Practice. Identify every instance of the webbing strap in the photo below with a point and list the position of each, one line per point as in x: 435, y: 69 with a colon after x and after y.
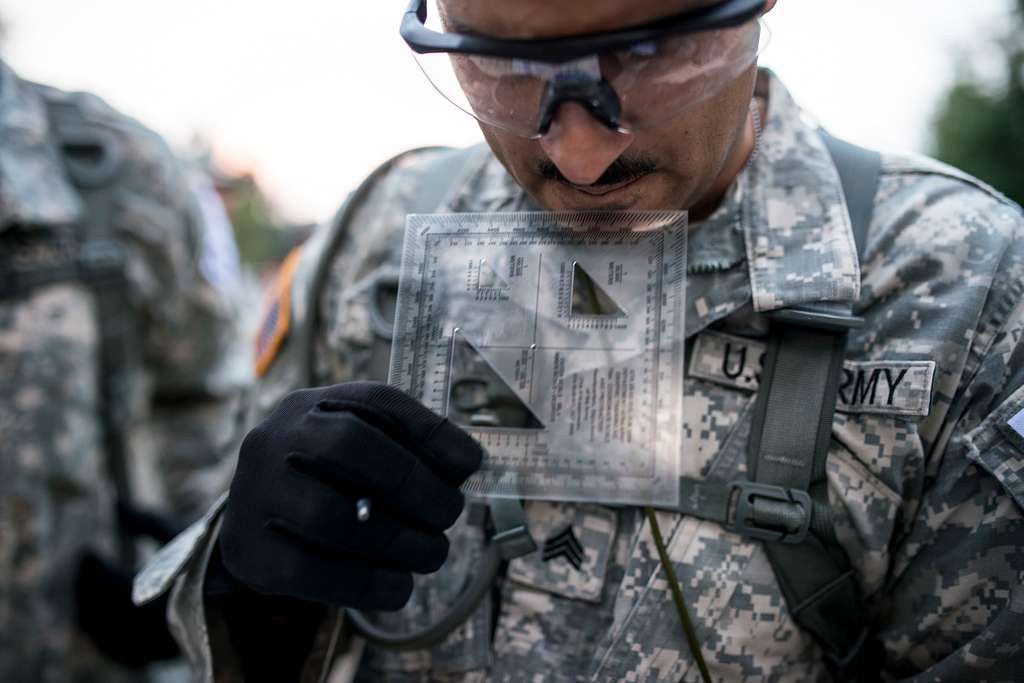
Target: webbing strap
x: 785, y: 502
x: 859, y: 171
x: 92, y: 163
x: 789, y: 444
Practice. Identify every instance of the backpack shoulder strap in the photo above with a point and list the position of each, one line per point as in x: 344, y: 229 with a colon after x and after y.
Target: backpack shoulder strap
x: 859, y: 172
x: 789, y: 445
x: 784, y: 503
x: 92, y: 161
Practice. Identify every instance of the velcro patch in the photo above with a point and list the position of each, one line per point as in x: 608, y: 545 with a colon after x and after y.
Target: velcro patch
x: 277, y: 314
x: 887, y: 387
x: 724, y: 359
x: 578, y: 540
x: 879, y: 387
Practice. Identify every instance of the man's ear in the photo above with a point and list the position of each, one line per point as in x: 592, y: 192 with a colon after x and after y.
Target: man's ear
x: 769, y: 6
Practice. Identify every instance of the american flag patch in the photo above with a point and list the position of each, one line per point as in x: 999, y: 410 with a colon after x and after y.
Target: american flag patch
x: 273, y: 329
x: 1017, y: 423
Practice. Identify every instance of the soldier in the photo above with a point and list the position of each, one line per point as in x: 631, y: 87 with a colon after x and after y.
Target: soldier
x: 122, y: 383
x: 863, y: 524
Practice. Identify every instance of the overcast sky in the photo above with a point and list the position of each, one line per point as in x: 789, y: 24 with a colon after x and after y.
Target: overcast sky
x: 311, y: 94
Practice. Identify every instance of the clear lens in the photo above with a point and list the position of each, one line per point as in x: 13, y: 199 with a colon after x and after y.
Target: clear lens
x: 663, y: 79
x: 655, y: 80
x: 487, y: 88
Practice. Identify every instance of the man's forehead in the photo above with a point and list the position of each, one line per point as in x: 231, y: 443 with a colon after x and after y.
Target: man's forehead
x: 526, y: 19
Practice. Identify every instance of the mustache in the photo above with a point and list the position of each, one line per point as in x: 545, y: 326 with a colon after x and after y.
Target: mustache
x: 622, y: 170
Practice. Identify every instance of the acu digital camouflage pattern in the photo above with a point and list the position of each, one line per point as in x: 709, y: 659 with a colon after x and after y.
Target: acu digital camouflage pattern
x: 928, y: 508
x: 55, y: 497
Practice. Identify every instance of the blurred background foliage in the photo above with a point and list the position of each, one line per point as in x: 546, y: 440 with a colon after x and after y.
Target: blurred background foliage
x: 264, y: 236
x: 979, y: 124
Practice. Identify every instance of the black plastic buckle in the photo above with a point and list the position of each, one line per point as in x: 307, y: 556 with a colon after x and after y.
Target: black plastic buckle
x: 817, y: 319
x: 745, y: 523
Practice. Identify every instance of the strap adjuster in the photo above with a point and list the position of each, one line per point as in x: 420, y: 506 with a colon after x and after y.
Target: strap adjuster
x: 771, y: 513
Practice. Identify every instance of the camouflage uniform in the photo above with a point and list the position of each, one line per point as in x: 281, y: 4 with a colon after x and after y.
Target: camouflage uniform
x: 55, y: 495
x: 924, y: 467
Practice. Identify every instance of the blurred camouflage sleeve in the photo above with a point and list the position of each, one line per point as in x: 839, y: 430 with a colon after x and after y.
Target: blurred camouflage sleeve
x: 184, y: 276
x: 954, y: 604
x: 201, y: 367
x: 180, y: 566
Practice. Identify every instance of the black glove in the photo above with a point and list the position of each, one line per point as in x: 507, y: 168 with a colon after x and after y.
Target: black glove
x: 291, y: 528
x: 133, y: 636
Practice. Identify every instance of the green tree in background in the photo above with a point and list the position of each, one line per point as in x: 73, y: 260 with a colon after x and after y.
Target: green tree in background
x: 257, y: 230
x: 980, y: 124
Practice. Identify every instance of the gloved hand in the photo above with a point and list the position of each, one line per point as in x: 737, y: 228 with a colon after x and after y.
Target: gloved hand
x: 291, y: 527
x: 133, y: 636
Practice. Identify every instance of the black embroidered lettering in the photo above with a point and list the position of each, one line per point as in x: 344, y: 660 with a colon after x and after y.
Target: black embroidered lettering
x: 760, y: 366
x: 862, y: 387
x: 892, y: 384
x: 845, y: 385
x: 740, y: 366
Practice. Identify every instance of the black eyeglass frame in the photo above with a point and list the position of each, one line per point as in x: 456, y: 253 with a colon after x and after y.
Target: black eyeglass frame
x: 422, y: 40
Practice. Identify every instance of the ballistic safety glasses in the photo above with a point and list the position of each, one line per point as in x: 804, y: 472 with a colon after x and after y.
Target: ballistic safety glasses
x: 629, y: 79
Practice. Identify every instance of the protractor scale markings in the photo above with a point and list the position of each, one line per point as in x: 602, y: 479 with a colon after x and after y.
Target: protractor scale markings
x: 555, y: 340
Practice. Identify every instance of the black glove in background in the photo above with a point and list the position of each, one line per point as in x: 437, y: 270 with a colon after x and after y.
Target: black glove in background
x: 132, y: 636
x: 290, y: 525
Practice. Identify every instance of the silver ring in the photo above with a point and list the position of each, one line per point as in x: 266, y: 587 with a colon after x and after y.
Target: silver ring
x: 363, y: 509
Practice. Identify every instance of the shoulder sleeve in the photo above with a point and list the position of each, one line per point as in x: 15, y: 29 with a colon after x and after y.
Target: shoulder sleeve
x: 290, y: 349
x: 954, y: 603
x: 350, y: 340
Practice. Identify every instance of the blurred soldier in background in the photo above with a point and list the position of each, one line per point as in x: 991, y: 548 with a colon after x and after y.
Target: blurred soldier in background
x: 121, y: 377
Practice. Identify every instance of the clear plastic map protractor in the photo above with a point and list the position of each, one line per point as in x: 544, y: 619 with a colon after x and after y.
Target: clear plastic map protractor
x: 555, y: 340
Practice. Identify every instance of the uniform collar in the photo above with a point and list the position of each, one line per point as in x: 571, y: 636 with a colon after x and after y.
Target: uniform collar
x: 799, y: 240
x: 34, y: 189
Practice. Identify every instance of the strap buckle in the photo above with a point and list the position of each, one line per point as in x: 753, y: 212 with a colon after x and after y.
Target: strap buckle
x: 831, y: 321
x: 771, y: 513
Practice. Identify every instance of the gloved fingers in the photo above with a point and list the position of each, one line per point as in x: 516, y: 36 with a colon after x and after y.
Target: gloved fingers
x: 447, y: 449
x: 328, y: 518
x: 283, y: 567
x: 383, y: 542
x: 375, y: 464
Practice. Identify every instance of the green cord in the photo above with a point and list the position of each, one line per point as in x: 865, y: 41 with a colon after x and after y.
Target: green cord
x: 677, y: 595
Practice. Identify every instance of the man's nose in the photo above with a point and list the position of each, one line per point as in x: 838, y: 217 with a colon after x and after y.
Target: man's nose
x: 581, y: 146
